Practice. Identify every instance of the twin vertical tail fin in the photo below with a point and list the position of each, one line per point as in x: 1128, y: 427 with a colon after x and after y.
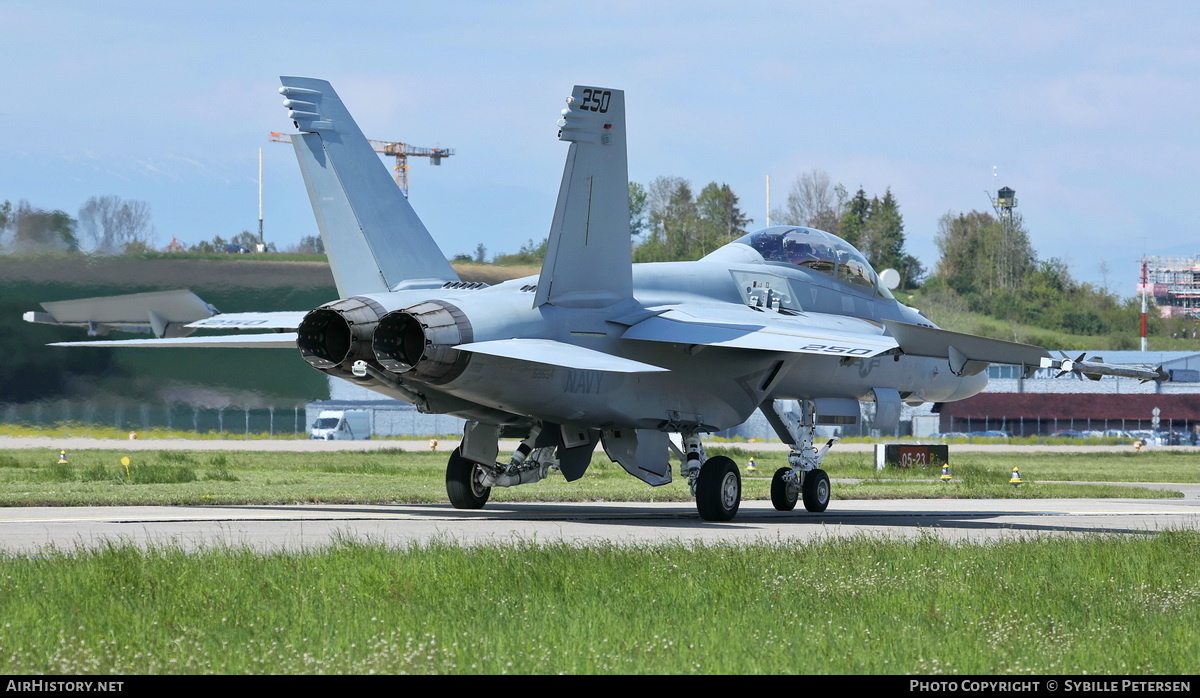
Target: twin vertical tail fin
x: 374, y: 239
x: 589, y: 260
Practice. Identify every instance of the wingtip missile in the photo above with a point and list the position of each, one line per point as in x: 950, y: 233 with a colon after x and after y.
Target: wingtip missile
x: 1095, y: 369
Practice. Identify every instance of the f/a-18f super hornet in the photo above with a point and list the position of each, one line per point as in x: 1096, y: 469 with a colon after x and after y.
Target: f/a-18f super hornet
x: 596, y: 350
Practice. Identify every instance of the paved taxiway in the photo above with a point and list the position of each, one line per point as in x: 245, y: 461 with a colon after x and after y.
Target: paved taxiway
x: 297, y: 527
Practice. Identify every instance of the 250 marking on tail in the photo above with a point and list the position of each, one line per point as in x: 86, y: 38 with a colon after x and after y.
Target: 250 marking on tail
x: 596, y: 100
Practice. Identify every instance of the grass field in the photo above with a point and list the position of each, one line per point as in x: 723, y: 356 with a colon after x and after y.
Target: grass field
x: 1034, y: 606
x: 35, y: 478
x: 1038, y: 605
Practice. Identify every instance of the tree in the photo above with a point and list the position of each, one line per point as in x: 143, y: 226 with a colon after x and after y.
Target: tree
x: 5, y: 215
x: 531, y: 253
x: 480, y: 254
x: 309, y: 244
x: 720, y: 219
x: 883, y: 237
x: 814, y: 201
x: 637, y: 209
x: 673, y: 221
x: 216, y: 245
x: 854, y: 219
x: 111, y: 224
x: 38, y: 230
x: 981, y: 256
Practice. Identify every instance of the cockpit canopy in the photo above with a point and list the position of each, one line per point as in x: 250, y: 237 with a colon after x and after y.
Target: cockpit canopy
x: 816, y: 250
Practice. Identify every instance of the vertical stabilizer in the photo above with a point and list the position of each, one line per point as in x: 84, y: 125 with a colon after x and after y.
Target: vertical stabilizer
x: 374, y: 239
x: 589, y: 262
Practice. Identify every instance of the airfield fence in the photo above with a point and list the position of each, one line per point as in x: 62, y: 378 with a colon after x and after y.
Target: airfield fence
x: 233, y: 421
x: 1174, y: 431
x: 227, y: 422
x: 293, y: 422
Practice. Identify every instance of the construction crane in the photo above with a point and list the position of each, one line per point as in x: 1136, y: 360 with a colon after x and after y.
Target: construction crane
x: 401, y: 151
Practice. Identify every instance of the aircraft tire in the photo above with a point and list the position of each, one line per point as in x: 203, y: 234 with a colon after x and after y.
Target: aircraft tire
x: 719, y: 489
x: 462, y: 487
x: 783, y: 497
x: 816, y: 491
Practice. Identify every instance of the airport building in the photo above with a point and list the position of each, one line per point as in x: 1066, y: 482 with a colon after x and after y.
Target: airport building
x: 1045, y: 402
x: 1174, y: 284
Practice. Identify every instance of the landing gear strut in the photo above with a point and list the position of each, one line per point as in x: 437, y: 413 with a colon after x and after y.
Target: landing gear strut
x: 804, y: 479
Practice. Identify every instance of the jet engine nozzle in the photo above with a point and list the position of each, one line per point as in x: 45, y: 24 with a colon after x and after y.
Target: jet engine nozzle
x: 337, y: 334
x: 418, y: 341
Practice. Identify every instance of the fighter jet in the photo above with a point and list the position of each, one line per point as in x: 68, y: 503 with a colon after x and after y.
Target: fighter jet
x: 598, y: 351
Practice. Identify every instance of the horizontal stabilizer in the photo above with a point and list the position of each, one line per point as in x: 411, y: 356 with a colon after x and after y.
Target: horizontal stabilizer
x: 285, y: 340
x: 161, y: 313
x: 746, y: 328
x: 552, y: 353
x: 286, y: 320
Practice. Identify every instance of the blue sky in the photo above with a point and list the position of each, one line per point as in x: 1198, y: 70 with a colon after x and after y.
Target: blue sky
x: 1087, y: 109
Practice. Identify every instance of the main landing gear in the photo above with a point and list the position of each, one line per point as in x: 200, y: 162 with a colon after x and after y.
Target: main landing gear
x: 803, y: 479
x: 787, y: 487
x: 717, y: 484
x: 469, y: 484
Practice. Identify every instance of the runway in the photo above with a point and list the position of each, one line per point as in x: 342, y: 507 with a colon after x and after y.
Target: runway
x: 298, y: 527
x: 301, y: 527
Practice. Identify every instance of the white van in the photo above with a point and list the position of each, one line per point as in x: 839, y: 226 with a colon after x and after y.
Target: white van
x: 339, y: 425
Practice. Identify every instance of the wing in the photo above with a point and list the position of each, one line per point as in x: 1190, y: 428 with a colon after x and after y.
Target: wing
x: 766, y: 330
x: 161, y: 313
x: 171, y: 316
x: 969, y: 354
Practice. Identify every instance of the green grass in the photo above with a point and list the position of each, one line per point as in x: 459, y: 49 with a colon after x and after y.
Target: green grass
x: 1121, y: 466
x: 1107, y: 605
x: 35, y: 478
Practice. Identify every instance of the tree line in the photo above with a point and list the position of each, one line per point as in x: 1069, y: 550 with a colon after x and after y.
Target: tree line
x: 112, y: 225
x: 668, y: 223
x: 986, y: 264
x: 105, y: 224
